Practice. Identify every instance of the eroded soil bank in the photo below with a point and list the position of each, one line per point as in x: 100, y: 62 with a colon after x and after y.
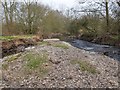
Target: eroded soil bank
x: 16, y: 45
x: 59, y: 64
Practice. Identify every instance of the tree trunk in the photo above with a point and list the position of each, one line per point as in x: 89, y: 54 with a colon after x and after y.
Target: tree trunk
x: 107, y: 16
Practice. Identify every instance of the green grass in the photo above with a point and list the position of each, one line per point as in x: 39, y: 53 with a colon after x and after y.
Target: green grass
x: 61, y: 46
x: 13, y: 57
x: 8, y: 38
x: 85, y: 66
x: 9, y: 60
x: 43, y: 43
x: 5, y: 66
x: 115, y: 37
x: 36, y: 64
x: 35, y: 60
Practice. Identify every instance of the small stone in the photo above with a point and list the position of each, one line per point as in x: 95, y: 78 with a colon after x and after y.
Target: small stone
x: 113, y: 82
x: 46, y: 64
x: 63, y: 78
x: 69, y: 77
x: 55, y: 61
x: 22, y: 85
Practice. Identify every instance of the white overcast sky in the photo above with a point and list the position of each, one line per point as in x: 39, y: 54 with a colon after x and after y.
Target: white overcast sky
x: 59, y: 4
x: 62, y: 4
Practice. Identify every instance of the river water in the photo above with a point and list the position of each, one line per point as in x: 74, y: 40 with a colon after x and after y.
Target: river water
x: 107, y: 50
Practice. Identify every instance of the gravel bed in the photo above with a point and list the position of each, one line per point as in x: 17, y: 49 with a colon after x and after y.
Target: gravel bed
x: 62, y: 73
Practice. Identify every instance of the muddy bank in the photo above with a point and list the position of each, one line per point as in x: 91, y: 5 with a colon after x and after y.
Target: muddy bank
x: 67, y: 68
x: 17, y: 45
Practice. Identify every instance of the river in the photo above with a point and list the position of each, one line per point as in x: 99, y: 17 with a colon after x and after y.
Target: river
x: 107, y: 50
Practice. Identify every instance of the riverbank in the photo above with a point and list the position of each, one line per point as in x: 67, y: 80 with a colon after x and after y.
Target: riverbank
x: 107, y: 50
x: 59, y: 64
x: 112, y: 40
x: 103, y: 40
x: 15, y: 44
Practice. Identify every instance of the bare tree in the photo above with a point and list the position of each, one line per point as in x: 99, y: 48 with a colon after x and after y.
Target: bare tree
x: 101, y: 8
x: 107, y: 14
x: 9, y: 9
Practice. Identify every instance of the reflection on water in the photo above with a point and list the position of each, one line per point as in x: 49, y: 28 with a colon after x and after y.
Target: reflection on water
x: 106, y: 49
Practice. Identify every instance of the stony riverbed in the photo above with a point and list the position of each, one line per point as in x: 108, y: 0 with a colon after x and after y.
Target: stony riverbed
x: 67, y: 66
